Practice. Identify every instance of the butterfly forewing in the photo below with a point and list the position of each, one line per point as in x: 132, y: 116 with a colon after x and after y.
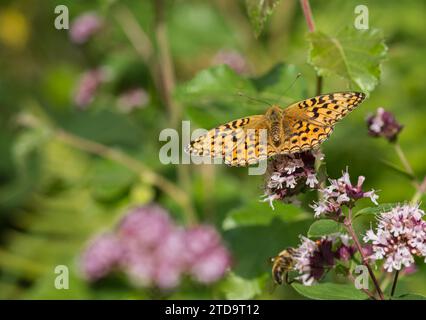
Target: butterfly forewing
x: 236, y: 142
x: 310, y: 122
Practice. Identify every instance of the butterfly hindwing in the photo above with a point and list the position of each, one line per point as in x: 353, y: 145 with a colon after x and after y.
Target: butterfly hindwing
x: 303, y: 135
x: 325, y: 109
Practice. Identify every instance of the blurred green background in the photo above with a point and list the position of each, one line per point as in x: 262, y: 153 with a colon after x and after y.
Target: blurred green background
x: 54, y: 197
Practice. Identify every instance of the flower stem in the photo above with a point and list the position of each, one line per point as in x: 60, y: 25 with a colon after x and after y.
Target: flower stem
x: 308, y: 15
x: 403, y: 159
x: 421, y: 190
x: 138, y: 38
x: 145, y: 173
x: 349, y: 227
x: 395, y: 280
x: 133, y: 164
x: 420, y: 186
x: 319, y: 164
x: 368, y: 293
x: 165, y: 63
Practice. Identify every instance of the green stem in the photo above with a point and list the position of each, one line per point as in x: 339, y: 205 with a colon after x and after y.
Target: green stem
x: 165, y: 63
x: 366, y: 291
x: 319, y: 164
x: 421, y: 190
x: 403, y: 159
x: 308, y: 14
x: 349, y: 227
x: 145, y: 173
x: 420, y: 186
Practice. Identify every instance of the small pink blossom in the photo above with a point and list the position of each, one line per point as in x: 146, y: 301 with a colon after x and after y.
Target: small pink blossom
x: 289, y: 175
x: 232, y: 59
x: 132, y: 99
x: 383, y: 124
x: 341, y: 193
x: 211, y: 266
x: 399, y: 237
x: 84, y: 27
x: 87, y: 87
x: 145, y: 227
x: 101, y: 256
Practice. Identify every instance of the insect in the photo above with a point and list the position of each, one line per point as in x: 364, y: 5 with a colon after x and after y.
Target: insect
x: 282, y: 265
x: 301, y: 126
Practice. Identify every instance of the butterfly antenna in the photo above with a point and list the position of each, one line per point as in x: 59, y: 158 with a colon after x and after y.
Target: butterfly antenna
x: 254, y: 99
x: 291, y: 85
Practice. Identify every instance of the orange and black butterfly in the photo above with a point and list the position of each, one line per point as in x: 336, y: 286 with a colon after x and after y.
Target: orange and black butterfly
x: 300, y: 127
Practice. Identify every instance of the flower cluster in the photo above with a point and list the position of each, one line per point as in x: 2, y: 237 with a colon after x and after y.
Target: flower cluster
x: 153, y: 251
x: 314, y: 258
x: 88, y: 85
x: 383, y: 124
x: 84, y: 27
x: 132, y: 99
x: 400, y: 235
x: 289, y: 175
x: 341, y: 193
x: 232, y: 59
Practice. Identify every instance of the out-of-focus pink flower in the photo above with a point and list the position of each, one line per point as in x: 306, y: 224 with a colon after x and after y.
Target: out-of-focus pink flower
x: 145, y: 227
x: 153, y: 251
x: 84, y: 27
x: 211, y: 266
x: 206, y: 257
x: 132, y: 99
x: 233, y: 59
x: 172, y: 249
x: 200, y: 240
x: 87, y: 87
x: 166, y: 275
x: 101, y: 256
x: 139, y: 266
x: 410, y: 269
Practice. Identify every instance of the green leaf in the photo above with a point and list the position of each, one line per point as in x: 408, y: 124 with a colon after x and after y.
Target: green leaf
x: 324, y: 227
x: 237, y: 288
x: 410, y: 296
x: 353, y: 54
x: 375, y: 210
x: 258, y: 12
x: 260, y: 213
x: 252, y: 246
x: 216, y: 95
x: 212, y: 97
x: 110, y: 181
x: 330, y: 291
x: 282, y: 81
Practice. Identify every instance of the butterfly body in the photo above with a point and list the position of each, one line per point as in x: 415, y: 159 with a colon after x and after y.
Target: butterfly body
x: 300, y: 127
x: 274, y: 116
